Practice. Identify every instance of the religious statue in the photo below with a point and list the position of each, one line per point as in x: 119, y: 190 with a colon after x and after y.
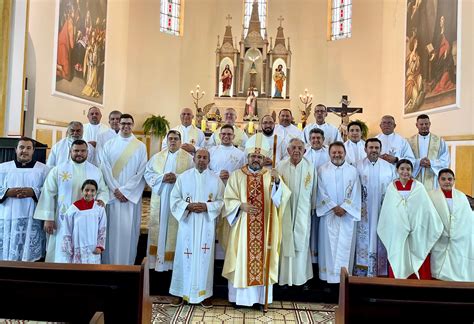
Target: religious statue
x: 279, y: 78
x: 344, y: 113
x: 226, y: 78
x: 253, y: 72
x: 251, y: 105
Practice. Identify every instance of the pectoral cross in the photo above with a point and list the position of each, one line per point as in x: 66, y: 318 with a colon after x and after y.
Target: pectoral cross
x: 187, y: 253
x: 205, y: 248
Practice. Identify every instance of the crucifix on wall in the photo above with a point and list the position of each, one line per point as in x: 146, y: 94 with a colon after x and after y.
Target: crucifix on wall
x: 344, y: 112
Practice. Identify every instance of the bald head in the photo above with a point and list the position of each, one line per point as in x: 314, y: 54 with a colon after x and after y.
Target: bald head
x: 201, y: 159
x: 186, y: 116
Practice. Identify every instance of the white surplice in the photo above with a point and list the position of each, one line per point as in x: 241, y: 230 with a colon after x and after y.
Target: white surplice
x: 289, y: 132
x: 84, y: 231
x: 452, y: 256
x: 124, y: 218
x: 439, y: 159
x: 337, y: 186
x: 295, y: 255
x: 193, y: 270
x: 91, y: 132
x: 60, y: 153
x: 61, y: 188
x: 331, y: 133
x: 189, y: 135
x: 354, y: 151
x: 21, y: 237
x: 281, y: 148
x: 396, y: 145
x: 371, y: 255
x: 160, y: 205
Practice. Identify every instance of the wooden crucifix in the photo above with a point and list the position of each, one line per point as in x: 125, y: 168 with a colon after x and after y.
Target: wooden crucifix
x: 344, y: 112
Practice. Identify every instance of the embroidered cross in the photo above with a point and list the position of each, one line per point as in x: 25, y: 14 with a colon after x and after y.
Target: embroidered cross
x: 205, y: 248
x: 187, y: 253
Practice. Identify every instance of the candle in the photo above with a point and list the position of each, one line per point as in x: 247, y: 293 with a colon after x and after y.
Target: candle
x: 214, y: 127
x: 203, y: 125
x: 300, y: 126
x: 194, y: 122
x: 250, y: 127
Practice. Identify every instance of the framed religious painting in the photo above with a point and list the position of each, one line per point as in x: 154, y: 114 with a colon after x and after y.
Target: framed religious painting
x: 79, y: 52
x: 432, y: 56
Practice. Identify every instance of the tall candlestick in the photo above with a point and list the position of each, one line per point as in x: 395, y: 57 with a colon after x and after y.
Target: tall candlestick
x: 250, y: 127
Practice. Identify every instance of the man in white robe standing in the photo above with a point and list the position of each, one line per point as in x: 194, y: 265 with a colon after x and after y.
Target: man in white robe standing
x: 300, y: 176
x: 318, y: 155
x: 123, y: 162
x: 192, y: 138
x: 338, y: 205
x: 21, y: 181
x: 196, y: 203
x: 267, y: 125
x: 285, y: 129
x: 375, y: 176
x: 60, y: 151
x: 230, y: 116
x: 94, y: 127
x: 225, y: 158
x: 102, y: 138
x: 160, y: 174
x: 63, y: 187
x: 331, y: 133
x: 247, y: 209
x: 431, y: 153
x: 355, y: 145
x: 394, y: 146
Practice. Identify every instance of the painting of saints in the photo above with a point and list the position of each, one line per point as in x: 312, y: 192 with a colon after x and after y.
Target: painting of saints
x: 279, y: 78
x: 65, y: 45
x: 226, y: 78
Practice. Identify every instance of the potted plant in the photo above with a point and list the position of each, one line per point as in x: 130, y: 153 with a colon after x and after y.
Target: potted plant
x: 157, y: 127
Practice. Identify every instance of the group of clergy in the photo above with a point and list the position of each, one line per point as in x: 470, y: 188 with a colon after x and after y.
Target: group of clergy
x: 275, y: 202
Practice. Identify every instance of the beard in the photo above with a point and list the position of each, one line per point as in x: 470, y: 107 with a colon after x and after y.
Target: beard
x: 267, y: 131
x: 255, y: 167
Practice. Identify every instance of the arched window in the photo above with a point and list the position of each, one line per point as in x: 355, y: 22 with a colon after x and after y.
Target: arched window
x: 262, y: 13
x: 171, y: 17
x: 341, y: 19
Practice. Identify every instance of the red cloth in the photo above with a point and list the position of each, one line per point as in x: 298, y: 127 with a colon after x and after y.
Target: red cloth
x: 65, y: 45
x: 424, y: 272
x: 82, y: 204
x: 400, y: 186
x: 448, y: 193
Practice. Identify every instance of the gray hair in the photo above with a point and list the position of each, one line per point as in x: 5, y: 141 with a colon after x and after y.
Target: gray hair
x: 74, y: 123
x: 296, y: 139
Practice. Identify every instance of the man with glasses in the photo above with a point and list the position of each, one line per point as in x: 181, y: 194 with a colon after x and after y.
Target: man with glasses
x: 123, y: 162
x: 240, y: 138
x: 331, y: 133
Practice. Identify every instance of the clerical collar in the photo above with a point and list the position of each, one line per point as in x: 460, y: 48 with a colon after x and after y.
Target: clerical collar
x: 401, y: 187
x: 373, y: 162
x: 186, y: 127
x: 424, y: 136
x: 319, y: 149
x: 27, y: 165
x: 339, y: 166
x: 448, y: 193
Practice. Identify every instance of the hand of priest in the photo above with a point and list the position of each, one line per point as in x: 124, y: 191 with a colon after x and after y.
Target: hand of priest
x: 267, y: 162
x: 339, y: 211
x: 100, y: 203
x: 188, y: 148
x: 275, y: 176
x: 93, y: 143
x: 49, y: 227
x: 97, y: 250
x: 169, y: 178
x: 425, y: 163
x: 389, y: 158
x: 120, y: 196
x: 249, y: 208
x: 25, y: 193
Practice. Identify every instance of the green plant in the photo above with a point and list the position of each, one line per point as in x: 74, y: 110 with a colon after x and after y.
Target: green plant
x: 156, y: 125
x: 365, y: 129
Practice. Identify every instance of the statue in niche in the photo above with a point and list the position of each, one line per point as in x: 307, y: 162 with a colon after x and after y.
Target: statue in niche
x: 226, y: 78
x: 279, y: 78
x: 253, y: 73
x: 250, y: 112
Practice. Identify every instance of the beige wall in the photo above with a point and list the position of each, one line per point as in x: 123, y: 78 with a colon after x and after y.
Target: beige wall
x: 151, y: 72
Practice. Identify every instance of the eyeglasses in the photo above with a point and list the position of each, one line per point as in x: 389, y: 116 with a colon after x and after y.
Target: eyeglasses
x: 126, y: 124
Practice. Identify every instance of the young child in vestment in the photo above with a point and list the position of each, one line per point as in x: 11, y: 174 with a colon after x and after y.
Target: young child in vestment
x: 84, y: 228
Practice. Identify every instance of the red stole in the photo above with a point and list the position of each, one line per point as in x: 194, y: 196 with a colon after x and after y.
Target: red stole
x: 82, y: 204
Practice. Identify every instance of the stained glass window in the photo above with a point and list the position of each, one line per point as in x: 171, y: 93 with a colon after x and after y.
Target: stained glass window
x: 262, y: 13
x: 341, y: 19
x: 170, y: 17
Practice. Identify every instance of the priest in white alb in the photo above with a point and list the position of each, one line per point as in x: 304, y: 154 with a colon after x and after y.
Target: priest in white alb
x: 192, y: 138
x: 285, y: 129
x: 431, y: 153
x: 394, y: 146
x: 230, y: 116
x: 160, y: 174
x: 247, y: 208
x: 331, y: 133
x: 267, y: 124
x: 338, y: 205
x: 21, y: 181
x: 295, y: 255
x: 375, y: 175
x: 94, y: 128
x: 196, y: 202
x: 123, y: 162
x: 452, y: 256
x: 355, y: 145
x: 104, y: 137
x: 63, y: 187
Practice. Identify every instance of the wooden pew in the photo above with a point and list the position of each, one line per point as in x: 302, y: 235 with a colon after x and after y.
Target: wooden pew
x: 384, y: 300
x: 74, y: 292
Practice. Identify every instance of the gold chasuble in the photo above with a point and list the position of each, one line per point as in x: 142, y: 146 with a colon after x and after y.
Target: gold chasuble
x: 434, y: 146
x: 244, y: 263
x: 183, y: 163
